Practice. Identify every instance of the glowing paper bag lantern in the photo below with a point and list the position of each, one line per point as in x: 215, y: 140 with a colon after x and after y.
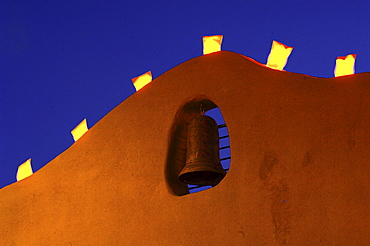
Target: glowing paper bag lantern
x: 278, y: 56
x: 24, y: 170
x: 345, y: 65
x: 142, y: 80
x: 212, y: 44
x: 79, y: 130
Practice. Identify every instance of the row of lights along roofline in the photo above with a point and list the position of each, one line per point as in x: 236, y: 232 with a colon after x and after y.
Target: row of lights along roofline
x: 277, y: 59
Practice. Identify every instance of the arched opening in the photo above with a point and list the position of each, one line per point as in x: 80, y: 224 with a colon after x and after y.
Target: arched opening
x: 178, y: 152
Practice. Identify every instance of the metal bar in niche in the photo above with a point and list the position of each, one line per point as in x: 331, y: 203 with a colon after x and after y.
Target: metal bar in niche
x: 221, y: 126
x: 226, y: 147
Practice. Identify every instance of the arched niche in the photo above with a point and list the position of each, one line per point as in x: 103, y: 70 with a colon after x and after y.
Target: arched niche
x: 176, y: 157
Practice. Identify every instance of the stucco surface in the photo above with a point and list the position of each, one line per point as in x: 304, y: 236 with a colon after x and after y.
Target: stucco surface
x: 299, y: 172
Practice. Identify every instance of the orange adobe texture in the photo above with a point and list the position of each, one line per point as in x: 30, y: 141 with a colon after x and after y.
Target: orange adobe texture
x: 299, y: 172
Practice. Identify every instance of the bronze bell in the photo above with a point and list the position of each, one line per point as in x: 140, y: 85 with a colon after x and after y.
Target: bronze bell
x: 203, y: 165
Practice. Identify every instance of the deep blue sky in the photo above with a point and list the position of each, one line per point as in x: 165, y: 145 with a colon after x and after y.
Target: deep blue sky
x: 62, y: 61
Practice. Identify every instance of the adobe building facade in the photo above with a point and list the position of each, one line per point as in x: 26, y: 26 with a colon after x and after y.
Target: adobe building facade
x: 299, y: 172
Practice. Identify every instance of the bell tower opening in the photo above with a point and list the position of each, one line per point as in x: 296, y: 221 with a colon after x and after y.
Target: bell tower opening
x: 199, y: 150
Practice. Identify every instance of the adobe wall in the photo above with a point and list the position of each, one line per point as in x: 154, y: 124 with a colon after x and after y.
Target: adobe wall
x: 299, y: 173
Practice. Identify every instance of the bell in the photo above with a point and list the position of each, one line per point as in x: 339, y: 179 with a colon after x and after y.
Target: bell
x: 203, y: 165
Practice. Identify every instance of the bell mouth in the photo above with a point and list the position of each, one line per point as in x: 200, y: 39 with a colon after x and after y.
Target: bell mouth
x: 202, y: 177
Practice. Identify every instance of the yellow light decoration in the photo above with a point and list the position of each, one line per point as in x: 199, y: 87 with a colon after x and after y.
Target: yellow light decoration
x: 79, y: 130
x: 278, y: 56
x: 24, y: 170
x: 142, y: 80
x: 345, y: 65
x: 212, y: 44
